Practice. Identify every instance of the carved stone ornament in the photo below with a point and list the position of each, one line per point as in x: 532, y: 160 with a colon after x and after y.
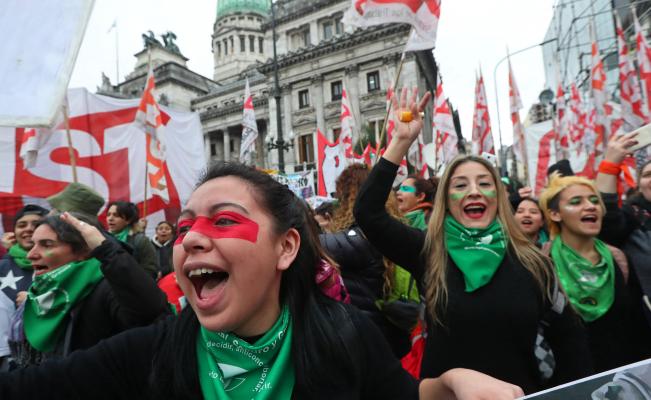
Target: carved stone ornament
x: 304, y: 116
x: 332, y: 109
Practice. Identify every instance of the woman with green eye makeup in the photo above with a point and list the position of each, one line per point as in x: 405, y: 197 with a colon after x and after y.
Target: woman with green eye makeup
x: 415, y: 196
x: 594, y: 276
x: 486, y: 285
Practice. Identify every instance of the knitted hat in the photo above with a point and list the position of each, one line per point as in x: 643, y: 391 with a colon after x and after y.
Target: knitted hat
x: 30, y: 209
x: 77, y: 197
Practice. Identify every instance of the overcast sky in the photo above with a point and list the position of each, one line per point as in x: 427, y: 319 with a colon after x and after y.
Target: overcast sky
x: 472, y: 33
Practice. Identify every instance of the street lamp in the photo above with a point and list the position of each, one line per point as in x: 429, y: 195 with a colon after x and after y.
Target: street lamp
x: 280, y: 142
x: 503, y: 171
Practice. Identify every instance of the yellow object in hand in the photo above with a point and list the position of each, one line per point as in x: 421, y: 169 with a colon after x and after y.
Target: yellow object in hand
x: 406, y: 116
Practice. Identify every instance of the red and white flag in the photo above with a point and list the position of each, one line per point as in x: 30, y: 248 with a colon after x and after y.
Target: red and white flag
x: 422, y: 15
x: 597, y: 123
x: 445, y: 133
x: 110, y: 152
x: 540, y: 152
x: 347, y: 124
x: 633, y: 113
x: 515, y: 104
x: 482, y: 137
x: 249, y: 127
x: 644, y: 62
x: 149, y: 118
x: 331, y: 162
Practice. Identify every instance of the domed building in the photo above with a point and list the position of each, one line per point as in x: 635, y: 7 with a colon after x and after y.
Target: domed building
x: 238, y: 38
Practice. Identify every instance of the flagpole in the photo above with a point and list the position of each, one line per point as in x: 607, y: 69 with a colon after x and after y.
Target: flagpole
x: 71, y: 150
x: 386, y: 116
x: 144, y: 203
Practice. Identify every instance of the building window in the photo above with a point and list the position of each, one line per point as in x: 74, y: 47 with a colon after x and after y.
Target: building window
x: 327, y: 30
x: 213, y: 149
x: 305, y: 149
x: 260, y: 45
x: 242, y: 43
x: 339, y: 27
x: 225, y: 47
x: 335, y: 133
x: 303, y: 98
x: 373, y: 81
x: 336, y: 89
x: 232, y: 44
x: 219, y: 49
x: 252, y: 44
x: 300, y: 38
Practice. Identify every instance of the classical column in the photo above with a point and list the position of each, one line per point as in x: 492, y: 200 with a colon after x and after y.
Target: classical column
x: 314, y: 33
x: 353, y: 91
x: 286, y: 91
x: 227, y: 145
x: 237, y: 142
x: 316, y: 99
x: 206, y: 146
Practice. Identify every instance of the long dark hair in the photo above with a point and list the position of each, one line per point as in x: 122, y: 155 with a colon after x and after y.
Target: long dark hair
x: 320, y: 336
x: 67, y: 233
x: 126, y: 210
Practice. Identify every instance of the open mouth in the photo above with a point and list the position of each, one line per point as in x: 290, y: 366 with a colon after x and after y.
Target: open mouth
x: 474, y: 210
x: 40, y: 269
x: 589, y: 219
x: 526, y: 222
x: 207, y: 282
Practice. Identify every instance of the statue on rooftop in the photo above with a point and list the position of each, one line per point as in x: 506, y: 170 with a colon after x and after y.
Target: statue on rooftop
x: 168, y: 38
x: 150, y: 39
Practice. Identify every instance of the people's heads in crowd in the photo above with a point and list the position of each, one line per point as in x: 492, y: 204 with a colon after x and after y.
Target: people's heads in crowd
x: 164, y: 231
x: 323, y: 214
x: 644, y: 180
x: 121, y: 215
x: 529, y: 217
x: 25, y: 222
x: 562, y: 167
x: 415, y: 190
x: 57, y: 243
x: 244, y: 248
x: 572, y: 204
x: 77, y: 197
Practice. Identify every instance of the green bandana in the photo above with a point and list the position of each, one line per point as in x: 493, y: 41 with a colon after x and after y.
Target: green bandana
x: 416, y: 219
x: 122, y: 235
x: 50, y: 298
x: 20, y: 257
x: 476, y: 252
x: 231, y: 368
x: 542, y: 237
x: 590, y: 288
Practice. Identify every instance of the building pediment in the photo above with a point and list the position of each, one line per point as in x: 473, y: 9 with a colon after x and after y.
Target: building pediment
x: 304, y: 116
x: 372, y: 101
x: 332, y: 109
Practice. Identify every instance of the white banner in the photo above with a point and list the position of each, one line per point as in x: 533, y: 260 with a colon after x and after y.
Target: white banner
x: 40, y: 42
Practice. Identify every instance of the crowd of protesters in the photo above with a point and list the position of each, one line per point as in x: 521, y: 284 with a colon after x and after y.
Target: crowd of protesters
x: 438, y: 288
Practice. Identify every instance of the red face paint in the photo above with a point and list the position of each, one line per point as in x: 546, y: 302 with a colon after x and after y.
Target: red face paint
x: 224, y: 224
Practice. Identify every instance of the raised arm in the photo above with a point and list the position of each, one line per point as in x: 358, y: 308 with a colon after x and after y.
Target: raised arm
x: 618, y: 224
x: 397, y: 241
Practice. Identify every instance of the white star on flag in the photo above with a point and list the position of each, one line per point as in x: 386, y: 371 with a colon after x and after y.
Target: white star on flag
x: 9, y: 281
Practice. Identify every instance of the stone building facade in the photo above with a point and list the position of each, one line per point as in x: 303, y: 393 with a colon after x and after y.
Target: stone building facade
x: 317, y: 58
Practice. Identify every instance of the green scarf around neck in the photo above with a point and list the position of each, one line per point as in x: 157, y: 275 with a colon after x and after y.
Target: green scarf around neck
x: 122, y: 235
x: 52, y: 296
x: 590, y: 288
x: 416, y: 219
x: 20, y: 256
x: 476, y: 252
x: 231, y: 368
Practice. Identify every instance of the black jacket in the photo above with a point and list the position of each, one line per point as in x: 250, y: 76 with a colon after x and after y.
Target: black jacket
x: 362, y: 269
x: 125, y: 298
x: 163, y: 256
x: 492, y: 329
x: 120, y: 367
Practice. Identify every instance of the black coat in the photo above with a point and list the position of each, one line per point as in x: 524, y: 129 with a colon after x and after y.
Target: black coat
x: 362, y: 269
x: 492, y: 329
x: 125, y: 298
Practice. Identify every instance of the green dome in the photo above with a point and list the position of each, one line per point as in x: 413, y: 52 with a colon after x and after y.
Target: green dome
x: 226, y: 7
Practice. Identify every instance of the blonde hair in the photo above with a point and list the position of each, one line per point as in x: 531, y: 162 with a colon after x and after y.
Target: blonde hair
x: 550, y: 197
x: 436, y: 255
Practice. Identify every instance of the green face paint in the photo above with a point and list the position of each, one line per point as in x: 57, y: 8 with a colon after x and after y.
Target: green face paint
x: 489, y: 193
x: 48, y: 253
x: 458, y: 195
x: 407, y: 189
